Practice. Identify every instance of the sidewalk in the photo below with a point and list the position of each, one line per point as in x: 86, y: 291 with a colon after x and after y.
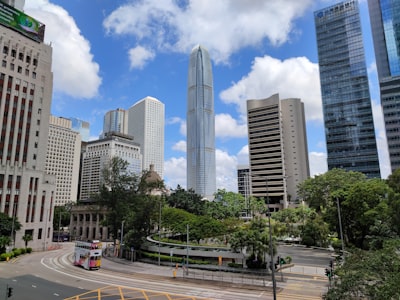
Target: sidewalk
x: 206, y: 274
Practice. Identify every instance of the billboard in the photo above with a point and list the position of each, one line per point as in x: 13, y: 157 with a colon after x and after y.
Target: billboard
x: 21, y: 22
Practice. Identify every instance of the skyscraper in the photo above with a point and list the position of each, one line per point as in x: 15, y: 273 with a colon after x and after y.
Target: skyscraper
x: 200, y: 141
x: 82, y: 127
x: 278, y: 153
x: 115, y: 121
x: 349, y: 124
x: 26, y: 83
x: 63, y: 157
x: 385, y: 24
x: 146, y: 125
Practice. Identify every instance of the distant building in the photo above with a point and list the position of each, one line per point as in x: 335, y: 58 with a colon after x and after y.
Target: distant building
x: 278, y: 153
x: 146, y: 125
x: 98, y: 154
x: 63, y: 155
x: 385, y: 23
x: 115, y: 121
x: 200, y: 144
x: 346, y: 102
x: 82, y: 127
x: 27, y: 192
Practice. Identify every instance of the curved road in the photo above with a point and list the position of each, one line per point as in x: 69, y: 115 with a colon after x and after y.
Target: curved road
x: 55, y: 274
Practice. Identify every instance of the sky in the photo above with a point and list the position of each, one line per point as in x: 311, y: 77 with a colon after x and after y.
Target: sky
x: 109, y: 54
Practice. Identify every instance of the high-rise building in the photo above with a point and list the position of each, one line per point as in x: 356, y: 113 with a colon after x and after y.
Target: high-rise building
x: 63, y: 158
x: 349, y: 124
x: 18, y: 4
x: 278, y: 152
x: 385, y: 24
x: 200, y: 137
x: 82, y: 127
x: 26, y: 82
x: 146, y: 125
x: 97, y: 154
x: 115, y: 121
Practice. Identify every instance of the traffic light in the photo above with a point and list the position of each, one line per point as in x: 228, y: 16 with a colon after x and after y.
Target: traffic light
x: 327, y: 272
x: 9, y: 292
x: 282, y: 261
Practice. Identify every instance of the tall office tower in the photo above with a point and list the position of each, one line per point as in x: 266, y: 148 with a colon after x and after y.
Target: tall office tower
x: 115, y: 121
x: 98, y: 154
x: 200, y: 137
x: 385, y: 23
x: 146, y: 125
x: 26, y: 82
x: 349, y: 124
x: 278, y: 151
x: 63, y: 158
x: 82, y: 127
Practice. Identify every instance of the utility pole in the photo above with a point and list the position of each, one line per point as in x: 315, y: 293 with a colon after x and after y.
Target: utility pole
x: 270, y: 244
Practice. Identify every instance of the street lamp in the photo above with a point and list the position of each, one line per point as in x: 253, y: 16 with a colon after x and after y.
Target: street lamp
x: 340, y: 226
x: 270, y: 243
x: 122, y: 236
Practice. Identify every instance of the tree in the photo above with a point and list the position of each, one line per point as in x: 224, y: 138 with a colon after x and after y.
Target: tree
x: 4, y: 242
x: 369, y: 275
x: 316, y: 191
x: 27, y: 238
x: 187, y: 200
x: 7, y: 224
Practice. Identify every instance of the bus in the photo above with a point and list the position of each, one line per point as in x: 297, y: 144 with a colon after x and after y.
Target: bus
x: 88, y: 254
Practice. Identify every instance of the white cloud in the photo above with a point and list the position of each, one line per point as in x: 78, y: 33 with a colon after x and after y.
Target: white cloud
x: 139, y: 56
x: 226, y: 171
x: 180, y: 146
x: 226, y: 126
x: 292, y: 78
x: 175, y: 172
x: 227, y: 27
x: 318, y: 163
x: 75, y: 72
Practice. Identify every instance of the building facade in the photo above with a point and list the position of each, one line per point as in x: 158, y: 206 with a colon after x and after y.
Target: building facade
x: 26, y: 82
x: 97, y: 154
x: 115, y: 121
x: 146, y: 125
x: 200, y: 143
x: 349, y: 124
x: 82, y: 127
x: 63, y: 158
x: 385, y: 21
x: 278, y: 152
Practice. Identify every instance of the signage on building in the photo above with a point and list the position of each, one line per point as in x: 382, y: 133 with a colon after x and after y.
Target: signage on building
x: 21, y: 22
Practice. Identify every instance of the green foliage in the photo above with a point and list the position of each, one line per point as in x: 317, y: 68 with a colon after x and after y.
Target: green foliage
x: 188, y: 201
x: 28, y: 250
x: 4, y: 242
x: 369, y: 275
x: 315, y: 231
x: 61, y: 216
x: 7, y: 223
x: 27, y: 238
x: 17, y: 252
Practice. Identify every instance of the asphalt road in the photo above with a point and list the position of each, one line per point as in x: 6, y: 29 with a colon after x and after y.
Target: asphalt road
x: 51, y: 275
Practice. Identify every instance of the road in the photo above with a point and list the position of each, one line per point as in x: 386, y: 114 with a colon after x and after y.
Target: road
x: 51, y: 275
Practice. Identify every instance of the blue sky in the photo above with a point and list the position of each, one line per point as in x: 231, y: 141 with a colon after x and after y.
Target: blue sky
x: 108, y: 54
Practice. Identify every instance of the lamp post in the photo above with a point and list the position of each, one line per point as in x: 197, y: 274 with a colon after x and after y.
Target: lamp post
x: 270, y: 244
x: 340, y: 226
x: 122, y: 236
x: 159, y: 236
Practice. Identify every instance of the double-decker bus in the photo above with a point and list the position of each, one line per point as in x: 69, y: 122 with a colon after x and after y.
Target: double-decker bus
x: 88, y: 254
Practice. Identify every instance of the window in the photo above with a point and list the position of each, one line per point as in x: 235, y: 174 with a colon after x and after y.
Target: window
x: 33, y: 74
x: 19, y: 69
x: 35, y: 62
x: 13, y: 53
x: 21, y: 56
x: 5, y: 50
x: 12, y: 67
x: 4, y: 63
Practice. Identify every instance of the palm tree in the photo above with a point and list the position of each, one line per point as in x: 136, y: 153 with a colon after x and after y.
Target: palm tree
x: 27, y: 238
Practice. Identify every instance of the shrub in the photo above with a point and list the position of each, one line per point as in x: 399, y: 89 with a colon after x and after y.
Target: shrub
x: 17, y: 252
x: 28, y: 250
x: 23, y: 250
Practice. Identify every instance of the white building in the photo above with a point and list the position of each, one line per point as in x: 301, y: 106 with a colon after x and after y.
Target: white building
x: 63, y: 159
x: 146, y: 125
x: 26, y: 82
x: 98, y: 154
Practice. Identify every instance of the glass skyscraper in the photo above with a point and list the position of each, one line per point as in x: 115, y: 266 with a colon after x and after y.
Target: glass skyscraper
x: 349, y: 125
x: 385, y: 25
x: 200, y: 141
